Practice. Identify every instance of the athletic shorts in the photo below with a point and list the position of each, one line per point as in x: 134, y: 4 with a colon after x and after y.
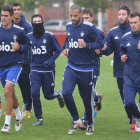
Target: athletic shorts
x: 10, y: 74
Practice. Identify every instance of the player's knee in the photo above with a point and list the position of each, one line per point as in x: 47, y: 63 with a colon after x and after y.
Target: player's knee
x: 7, y: 93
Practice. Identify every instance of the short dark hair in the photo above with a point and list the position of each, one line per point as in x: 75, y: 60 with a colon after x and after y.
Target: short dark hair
x: 8, y: 8
x: 135, y: 14
x: 76, y: 7
x: 36, y: 15
x: 88, y: 11
x: 16, y: 4
x: 124, y: 8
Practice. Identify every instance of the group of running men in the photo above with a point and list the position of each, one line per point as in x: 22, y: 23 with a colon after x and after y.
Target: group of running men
x: 83, y: 47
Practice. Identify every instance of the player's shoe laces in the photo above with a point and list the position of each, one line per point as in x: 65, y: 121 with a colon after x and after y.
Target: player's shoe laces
x: 90, y: 130
x: 13, y: 113
x: 60, y: 98
x: 18, y: 124
x: 137, y: 125
x: 38, y: 122
x: 98, y: 104
x: 74, y: 126
x: 27, y: 115
x: 5, y: 129
x: 84, y: 125
x: 23, y: 109
x: 132, y: 129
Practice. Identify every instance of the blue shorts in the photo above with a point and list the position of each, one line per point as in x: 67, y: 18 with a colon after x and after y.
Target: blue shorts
x: 10, y: 74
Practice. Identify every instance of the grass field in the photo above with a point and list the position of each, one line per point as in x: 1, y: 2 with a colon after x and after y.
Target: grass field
x: 110, y: 123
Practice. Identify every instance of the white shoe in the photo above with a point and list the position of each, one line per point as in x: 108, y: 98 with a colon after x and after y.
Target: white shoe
x: 5, y: 129
x: 18, y: 124
x: 90, y: 130
x: 137, y: 125
x: 74, y: 126
x: 23, y: 109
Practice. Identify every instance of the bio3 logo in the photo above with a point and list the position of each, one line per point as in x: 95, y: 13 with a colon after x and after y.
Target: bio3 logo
x: 73, y: 44
x: 41, y: 50
x: 6, y: 47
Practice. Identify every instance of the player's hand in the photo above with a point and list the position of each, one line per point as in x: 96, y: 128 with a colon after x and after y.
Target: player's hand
x: 124, y: 58
x: 105, y: 46
x: 15, y: 46
x: 139, y: 45
x: 66, y: 52
x: 97, y: 51
x: 81, y: 43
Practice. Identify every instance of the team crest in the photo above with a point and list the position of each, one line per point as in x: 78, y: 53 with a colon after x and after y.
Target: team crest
x: 82, y: 34
x: 44, y: 41
x: 14, y: 37
x: 68, y: 33
x: 30, y: 42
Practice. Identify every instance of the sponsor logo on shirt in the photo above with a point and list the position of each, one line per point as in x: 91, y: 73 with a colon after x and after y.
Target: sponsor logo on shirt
x: 6, y: 47
x: 116, y: 37
x: 128, y: 44
x: 14, y: 37
x: 41, y: 50
x: 73, y: 44
x: 44, y: 41
x: 82, y: 34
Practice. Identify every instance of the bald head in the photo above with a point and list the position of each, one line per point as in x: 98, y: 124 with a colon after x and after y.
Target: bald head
x: 76, y: 7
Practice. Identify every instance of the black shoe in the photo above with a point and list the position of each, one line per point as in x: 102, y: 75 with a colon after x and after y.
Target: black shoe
x: 60, y: 98
x: 84, y: 125
x: 98, y: 104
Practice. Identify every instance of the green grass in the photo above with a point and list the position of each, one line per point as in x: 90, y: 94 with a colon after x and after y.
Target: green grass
x: 110, y: 123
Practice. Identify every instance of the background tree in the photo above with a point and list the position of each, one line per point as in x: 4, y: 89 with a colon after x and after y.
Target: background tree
x: 94, y: 4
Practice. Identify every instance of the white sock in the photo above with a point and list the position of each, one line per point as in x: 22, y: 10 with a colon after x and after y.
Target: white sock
x: 77, y: 121
x: 8, y: 119
x: 18, y: 113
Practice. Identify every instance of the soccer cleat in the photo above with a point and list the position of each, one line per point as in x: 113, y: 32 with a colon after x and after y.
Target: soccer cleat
x: 38, y: 122
x: 95, y: 112
x: 132, y: 129
x: 5, y: 129
x: 90, y: 130
x: 98, y: 104
x: 13, y: 113
x: 23, y: 109
x: 84, y: 125
x: 60, y: 98
x: 18, y: 125
x: 137, y: 125
x: 27, y: 115
x: 74, y: 126
x: 0, y: 110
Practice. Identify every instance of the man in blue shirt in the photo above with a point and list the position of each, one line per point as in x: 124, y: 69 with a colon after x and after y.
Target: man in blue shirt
x: 113, y: 39
x: 82, y: 39
x: 24, y: 82
x: 14, y: 43
x: 45, y: 49
x: 88, y: 16
x: 130, y: 54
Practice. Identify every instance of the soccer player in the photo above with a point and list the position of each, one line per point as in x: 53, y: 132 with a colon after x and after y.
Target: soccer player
x: 24, y: 82
x: 88, y: 16
x: 14, y: 43
x: 113, y: 39
x: 45, y: 49
x: 82, y: 39
x: 130, y: 53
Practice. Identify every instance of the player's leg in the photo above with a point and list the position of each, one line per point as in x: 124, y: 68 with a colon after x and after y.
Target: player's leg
x: 68, y: 84
x: 9, y: 79
x: 130, y: 104
x: 85, y: 84
x: 48, y: 85
x: 27, y: 93
x: 35, y: 78
x: 120, y: 83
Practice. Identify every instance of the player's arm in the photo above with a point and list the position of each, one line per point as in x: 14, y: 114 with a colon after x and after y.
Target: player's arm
x: 24, y: 44
x: 56, y: 49
x: 108, y: 40
x: 66, y: 47
x: 96, y: 40
x: 123, y: 50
